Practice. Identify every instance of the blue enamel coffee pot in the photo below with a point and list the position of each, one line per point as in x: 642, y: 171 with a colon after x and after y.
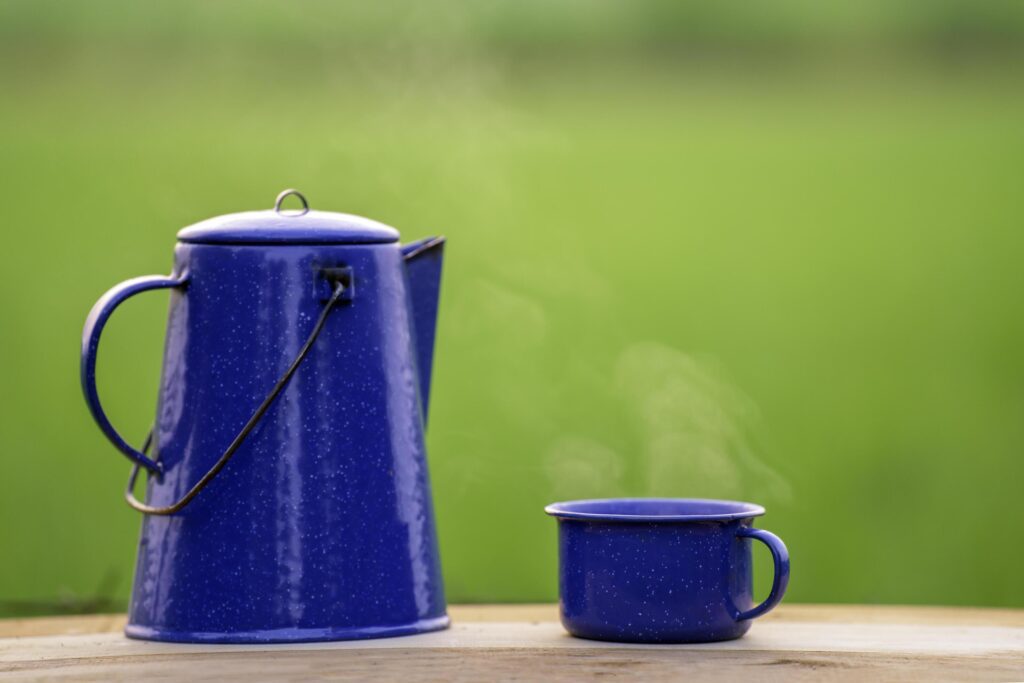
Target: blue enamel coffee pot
x: 288, y: 497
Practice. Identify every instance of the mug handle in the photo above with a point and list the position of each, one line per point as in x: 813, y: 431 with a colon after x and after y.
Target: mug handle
x: 780, y: 556
x: 94, y: 325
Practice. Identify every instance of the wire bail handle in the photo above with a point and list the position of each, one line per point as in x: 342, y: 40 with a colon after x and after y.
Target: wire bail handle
x: 243, y: 434
x: 284, y: 195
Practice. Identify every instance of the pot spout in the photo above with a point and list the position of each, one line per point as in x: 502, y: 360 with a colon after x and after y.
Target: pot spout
x: 423, y: 261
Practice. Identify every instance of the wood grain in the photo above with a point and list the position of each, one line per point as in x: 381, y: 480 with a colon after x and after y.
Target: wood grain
x: 524, y: 642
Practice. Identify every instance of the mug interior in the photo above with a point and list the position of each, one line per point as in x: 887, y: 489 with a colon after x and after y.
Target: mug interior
x: 655, y: 510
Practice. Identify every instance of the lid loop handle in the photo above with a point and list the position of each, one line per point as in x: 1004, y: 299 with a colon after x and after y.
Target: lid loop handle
x: 284, y: 195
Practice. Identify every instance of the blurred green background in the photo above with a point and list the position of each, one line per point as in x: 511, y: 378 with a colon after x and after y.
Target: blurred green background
x: 768, y: 251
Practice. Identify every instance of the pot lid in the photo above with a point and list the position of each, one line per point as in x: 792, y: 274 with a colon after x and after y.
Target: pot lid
x: 286, y: 226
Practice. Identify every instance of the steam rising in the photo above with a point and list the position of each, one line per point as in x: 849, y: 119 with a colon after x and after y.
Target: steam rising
x: 691, y: 423
x: 689, y: 428
x: 581, y: 467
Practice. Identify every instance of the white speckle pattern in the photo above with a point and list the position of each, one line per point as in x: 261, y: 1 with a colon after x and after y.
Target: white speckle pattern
x: 321, y: 527
x: 654, y: 581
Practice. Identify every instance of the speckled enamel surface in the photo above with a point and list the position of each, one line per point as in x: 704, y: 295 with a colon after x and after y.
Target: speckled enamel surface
x: 321, y: 526
x: 658, y: 581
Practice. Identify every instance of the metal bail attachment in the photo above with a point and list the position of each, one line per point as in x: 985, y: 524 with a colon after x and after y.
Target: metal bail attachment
x: 284, y: 195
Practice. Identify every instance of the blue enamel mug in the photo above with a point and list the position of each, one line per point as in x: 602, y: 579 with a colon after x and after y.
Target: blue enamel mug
x: 661, y: 570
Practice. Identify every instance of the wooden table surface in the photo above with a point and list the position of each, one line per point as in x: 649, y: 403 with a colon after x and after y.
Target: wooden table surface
x: 525, y: 642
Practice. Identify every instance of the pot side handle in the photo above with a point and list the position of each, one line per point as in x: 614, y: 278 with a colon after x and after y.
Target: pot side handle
x: 94, y: 325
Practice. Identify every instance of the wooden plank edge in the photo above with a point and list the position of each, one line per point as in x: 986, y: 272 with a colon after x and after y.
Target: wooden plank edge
x: 535, y: 613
